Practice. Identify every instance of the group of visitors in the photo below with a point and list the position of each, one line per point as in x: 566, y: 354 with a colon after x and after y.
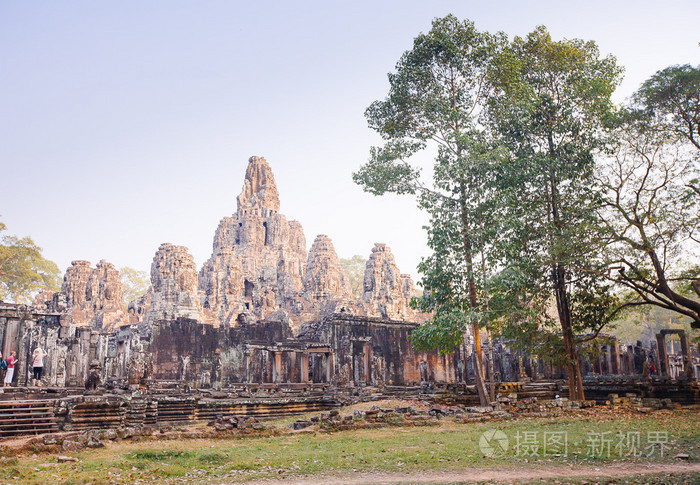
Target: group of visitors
x: 8, y: 365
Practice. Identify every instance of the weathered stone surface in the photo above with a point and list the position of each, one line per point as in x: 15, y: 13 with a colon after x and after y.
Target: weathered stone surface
x: 43, y: 300
x: 325, y: 279
x: 259, y: 189
x: 221, y: 280
x: 75, y: 283
x: 386, y: 290
x: 105, y: 291
x: 260, y: 266
x: 259, y: 258
x: 92, y: 297
x: 137, y: 309
x: 174, y: 285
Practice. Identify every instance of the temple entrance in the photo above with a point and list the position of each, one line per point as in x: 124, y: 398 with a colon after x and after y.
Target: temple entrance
x: 361, y: 363
x: 320, y: 362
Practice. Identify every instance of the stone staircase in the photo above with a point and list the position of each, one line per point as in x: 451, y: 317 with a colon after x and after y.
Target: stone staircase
x: 27, y: 417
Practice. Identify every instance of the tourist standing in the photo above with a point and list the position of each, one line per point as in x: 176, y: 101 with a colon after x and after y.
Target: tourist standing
x: 38, y: 366
x: 9, y: 374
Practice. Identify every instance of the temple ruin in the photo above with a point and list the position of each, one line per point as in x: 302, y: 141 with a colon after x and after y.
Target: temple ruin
x: 260, y: 310
x: 263, y: 327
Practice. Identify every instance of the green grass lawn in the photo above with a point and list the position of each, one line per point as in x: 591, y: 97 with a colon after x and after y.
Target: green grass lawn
x: 591, y: 438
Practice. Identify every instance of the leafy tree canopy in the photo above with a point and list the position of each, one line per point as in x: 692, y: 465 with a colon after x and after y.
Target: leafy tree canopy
x: 436, y: 93
x: 651, y: 206
x: 355, y: 270
x: 135, y: 283
x: 671, y: 98
x: 23, y: 270
x: 551, y: 99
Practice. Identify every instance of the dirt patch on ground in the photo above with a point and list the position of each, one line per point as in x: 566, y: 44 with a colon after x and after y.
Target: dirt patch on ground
x: 509, y: 474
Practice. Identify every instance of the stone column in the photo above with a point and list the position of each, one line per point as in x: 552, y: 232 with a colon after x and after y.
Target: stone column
x: 663, y: 356
x: 608, y: 360
x: 615, y: 351
x: 687, y: 358
x: 521, y: 368
x: 630, y: 360
x: 366, y: 361
x: 246, y: 361
x: 329, y: 366
x: 277, y: 367
x: 304, y: 364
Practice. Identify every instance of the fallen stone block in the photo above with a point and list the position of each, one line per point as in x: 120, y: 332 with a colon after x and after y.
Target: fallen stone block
x: 301, y: 424
x: 67, y: 459
x: 69, y: 445
x: 93, y: 442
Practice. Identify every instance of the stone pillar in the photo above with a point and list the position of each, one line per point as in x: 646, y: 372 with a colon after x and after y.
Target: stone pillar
x: 533, y: 368
x: 615, y: 357
x: 304, y: 364
x: 687, y: 358
x: 246, y: 362
x: 329, y: 366
x: 663, y: 356
x: 522, y: 376
x: 608, y: 360
x: 366, y: 361
x: 277, y: 367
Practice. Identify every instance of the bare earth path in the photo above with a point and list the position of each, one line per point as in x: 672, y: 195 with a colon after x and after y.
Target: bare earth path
x: 494, y: 475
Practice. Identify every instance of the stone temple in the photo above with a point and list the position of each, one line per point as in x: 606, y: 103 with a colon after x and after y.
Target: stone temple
x: 265, y: 328
x: 262, y: 309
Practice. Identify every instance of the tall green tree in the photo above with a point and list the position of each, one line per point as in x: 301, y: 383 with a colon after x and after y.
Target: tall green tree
x: 670, y: 100
x: 651, y: 200
x: 438, y: 89
x: 23, y: 270
x: 552, y: 98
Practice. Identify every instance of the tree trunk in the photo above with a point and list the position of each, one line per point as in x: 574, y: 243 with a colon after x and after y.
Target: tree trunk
x: 479, y: 366
x: 473, y: 303
x: 564, y: 310
x: 562, y: 297
x: 491, y: 373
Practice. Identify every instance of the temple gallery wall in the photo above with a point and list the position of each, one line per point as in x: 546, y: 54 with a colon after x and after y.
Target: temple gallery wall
x: 263, y: 310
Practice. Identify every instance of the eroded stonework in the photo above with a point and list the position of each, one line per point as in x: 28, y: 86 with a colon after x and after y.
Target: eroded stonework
x: 387, y: 291
x: 173, y: 285
x: 325, y: 279
x: 90, y: 296
x: 260, y: 315
x: 260, y: 266
x: 259, y: 269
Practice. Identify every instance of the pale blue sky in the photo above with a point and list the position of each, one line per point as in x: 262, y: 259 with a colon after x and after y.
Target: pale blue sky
x: 128, y: 124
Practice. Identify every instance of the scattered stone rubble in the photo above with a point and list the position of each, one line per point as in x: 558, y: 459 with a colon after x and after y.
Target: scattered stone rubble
x: 431, y: 414
x: 78, y: 440
x: 640, y: 404
x: 407, y: 413
x: 264, y: 313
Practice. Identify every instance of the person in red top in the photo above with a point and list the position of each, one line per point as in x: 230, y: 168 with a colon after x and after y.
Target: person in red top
x: 11, y: 361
